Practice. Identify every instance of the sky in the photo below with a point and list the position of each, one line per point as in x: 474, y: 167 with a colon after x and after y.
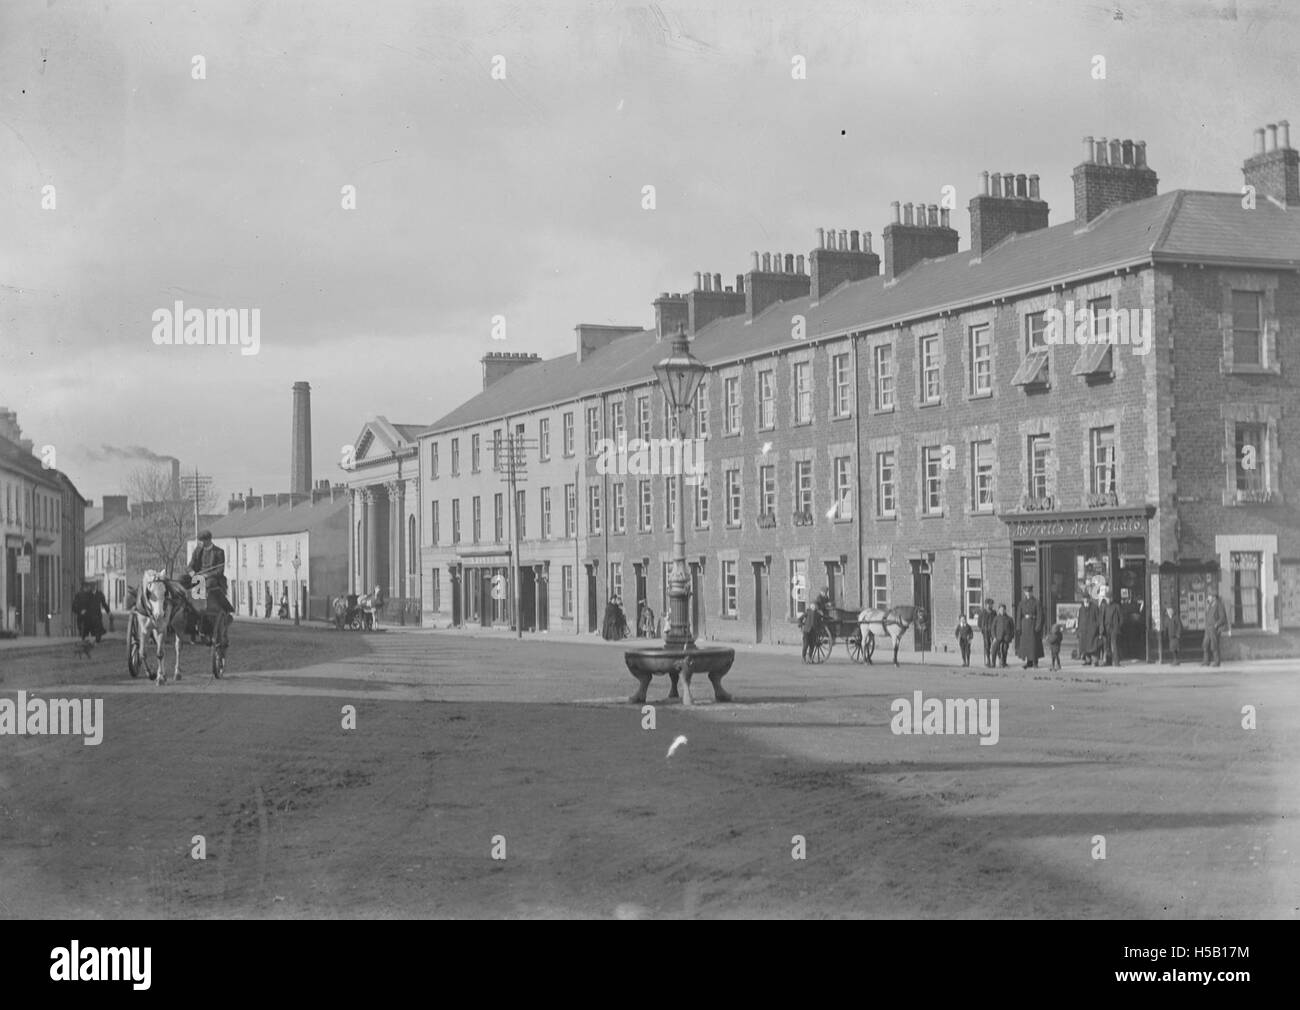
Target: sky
x: 517, y: 194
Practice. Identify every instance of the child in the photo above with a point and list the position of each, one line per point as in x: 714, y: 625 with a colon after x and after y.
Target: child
x: 964, y: 634
x: 1175, y: 628
x: 1004, y: 630
x: 1054, y: 644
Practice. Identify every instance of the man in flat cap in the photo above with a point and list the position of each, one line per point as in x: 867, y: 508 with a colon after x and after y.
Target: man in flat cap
x: 210, y: 560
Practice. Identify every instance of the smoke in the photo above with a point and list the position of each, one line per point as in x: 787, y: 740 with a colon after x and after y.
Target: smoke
x: 107, y: 452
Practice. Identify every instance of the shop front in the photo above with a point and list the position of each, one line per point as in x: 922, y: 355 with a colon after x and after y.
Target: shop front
x: 482, y: 582
x: 1068, y: 556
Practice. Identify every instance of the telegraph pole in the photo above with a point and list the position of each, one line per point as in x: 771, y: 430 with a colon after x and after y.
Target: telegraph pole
x: 516, y: 467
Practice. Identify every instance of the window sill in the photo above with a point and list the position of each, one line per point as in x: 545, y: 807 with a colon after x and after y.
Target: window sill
x: 728, y: 617
x: 985, y: 395
x: 932, y: 515
x: 973, y: 512
x: 802, y: 424
x: 842, y: 520
x: 841, y: 417
x: 929, y: 403
x: 887, y: 518
x: 1273, y: 369
x: 767, y: 427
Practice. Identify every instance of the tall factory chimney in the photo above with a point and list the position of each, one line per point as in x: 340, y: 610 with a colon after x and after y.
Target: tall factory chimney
x: 300, y: 459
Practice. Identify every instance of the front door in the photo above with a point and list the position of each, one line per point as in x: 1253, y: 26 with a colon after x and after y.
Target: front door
x: 543, y: 596
x: 921, y: 630
x: 593, y: 604
x: 527, y: 599
x: 760, y: 600
x: 455, y: 598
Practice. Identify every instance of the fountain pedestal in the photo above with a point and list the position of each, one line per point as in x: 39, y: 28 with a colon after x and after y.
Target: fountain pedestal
x: 680, y: 664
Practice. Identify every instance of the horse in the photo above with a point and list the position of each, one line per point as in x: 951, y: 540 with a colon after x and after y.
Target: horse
x: 166, y: 605
x: 892, y: 622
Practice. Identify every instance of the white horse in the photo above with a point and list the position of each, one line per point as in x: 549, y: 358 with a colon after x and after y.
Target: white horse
x: 891, y: 623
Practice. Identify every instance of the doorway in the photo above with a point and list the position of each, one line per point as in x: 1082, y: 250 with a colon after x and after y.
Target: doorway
x: 760, y: 600
x: 697, y: 594
x: 593, y: 603
x: 527, y: 599
x: 921, y: 630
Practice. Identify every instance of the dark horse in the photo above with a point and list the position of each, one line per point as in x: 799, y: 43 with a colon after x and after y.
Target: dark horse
x: 892, y: 622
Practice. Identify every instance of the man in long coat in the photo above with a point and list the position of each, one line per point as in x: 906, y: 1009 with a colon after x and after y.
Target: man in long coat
x: 1089, y: 619
x: 1112, y: 620
x: 1029, y: 629
x: 1216, y: 623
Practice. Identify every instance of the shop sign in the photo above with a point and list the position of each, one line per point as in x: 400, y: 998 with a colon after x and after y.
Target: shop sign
x: 1078, y: 529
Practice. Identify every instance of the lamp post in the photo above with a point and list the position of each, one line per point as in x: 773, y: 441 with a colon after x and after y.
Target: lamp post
x: 296, y: 591
x: 680, y: 375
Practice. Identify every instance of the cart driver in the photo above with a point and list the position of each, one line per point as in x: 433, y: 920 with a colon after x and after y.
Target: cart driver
x: 211, y: 560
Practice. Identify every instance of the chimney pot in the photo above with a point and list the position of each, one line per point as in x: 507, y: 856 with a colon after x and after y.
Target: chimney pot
x: 1116, y: 152
x: 907, y: 213
x: 1285, y: 140
x: 767, y: 263
x: 1128, y: 153
x: 943, y: 216
x: 798, y: 265
x: 1272, y: 136
x: 997, y: 183
x: 717, y: 282
x: 1033, y: 187
x: 755, y: 255
x: 844, y: 240
x: 1089, y: 151
x: 984, y: 182
x: 866, y: 241
x: 1102, y: 151
x: 895, y: 206
x: 789, y: 263
x: 1259, y: 141
x: 1008, y: 184
x: 740, y: 284
x: 698, y: 285
x: 821, y: 238
x: 1022, y: 185
x: 853, y: 241
x: 1140, y: 154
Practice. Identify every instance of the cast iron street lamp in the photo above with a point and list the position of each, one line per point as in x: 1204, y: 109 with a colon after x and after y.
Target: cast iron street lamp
x: 297, y: 592
x: 680, y: 375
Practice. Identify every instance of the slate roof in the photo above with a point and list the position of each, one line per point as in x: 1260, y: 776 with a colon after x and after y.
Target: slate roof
x: 108, y: 531
x: 278, y: 519
x: 1182, y: 225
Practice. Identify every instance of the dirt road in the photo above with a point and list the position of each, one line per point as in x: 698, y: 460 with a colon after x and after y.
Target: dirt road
x: 464, y: 748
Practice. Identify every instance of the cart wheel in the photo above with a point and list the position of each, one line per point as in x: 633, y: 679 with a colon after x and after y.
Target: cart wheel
x: 870, y: 649
x: 823, y: 647
x: 134, y: 659
x: 854, y: 646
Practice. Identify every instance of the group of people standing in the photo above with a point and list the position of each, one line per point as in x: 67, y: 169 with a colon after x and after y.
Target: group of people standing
x: 1100, y: 622
x: 615, y: 626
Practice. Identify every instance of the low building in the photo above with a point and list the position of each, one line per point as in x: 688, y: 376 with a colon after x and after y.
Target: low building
x: 262, y: 536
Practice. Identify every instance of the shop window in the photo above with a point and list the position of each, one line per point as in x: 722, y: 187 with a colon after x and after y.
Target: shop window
x: 1247, y: 589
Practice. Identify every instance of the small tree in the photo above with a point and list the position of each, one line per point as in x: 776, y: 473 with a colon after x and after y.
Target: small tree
x: 161, y: 522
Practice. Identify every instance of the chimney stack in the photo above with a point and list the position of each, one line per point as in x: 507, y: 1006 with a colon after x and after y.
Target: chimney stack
x: 832, y: 267
x: 1275, y: 171
x: 712, y: 302
x: 1118, y: 174
x: 300, y: 450
x: 670, y: 312
x: 993, y: 217
x: 591, y: 338
x: 906, y: 244
x: 498, y: 364
x: 770, y: 284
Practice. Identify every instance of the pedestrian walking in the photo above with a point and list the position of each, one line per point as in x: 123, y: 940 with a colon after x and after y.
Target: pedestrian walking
x: 1216, y: 623
x: 987, y: 615
x: 810, y: 624
x: 964, y: 634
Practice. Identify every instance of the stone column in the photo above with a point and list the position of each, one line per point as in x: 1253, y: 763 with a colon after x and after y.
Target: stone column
x: 352, y: 539
x: 396, y: 538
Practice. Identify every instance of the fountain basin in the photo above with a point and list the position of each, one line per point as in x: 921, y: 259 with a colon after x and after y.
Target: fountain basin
x: 680, y: 665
